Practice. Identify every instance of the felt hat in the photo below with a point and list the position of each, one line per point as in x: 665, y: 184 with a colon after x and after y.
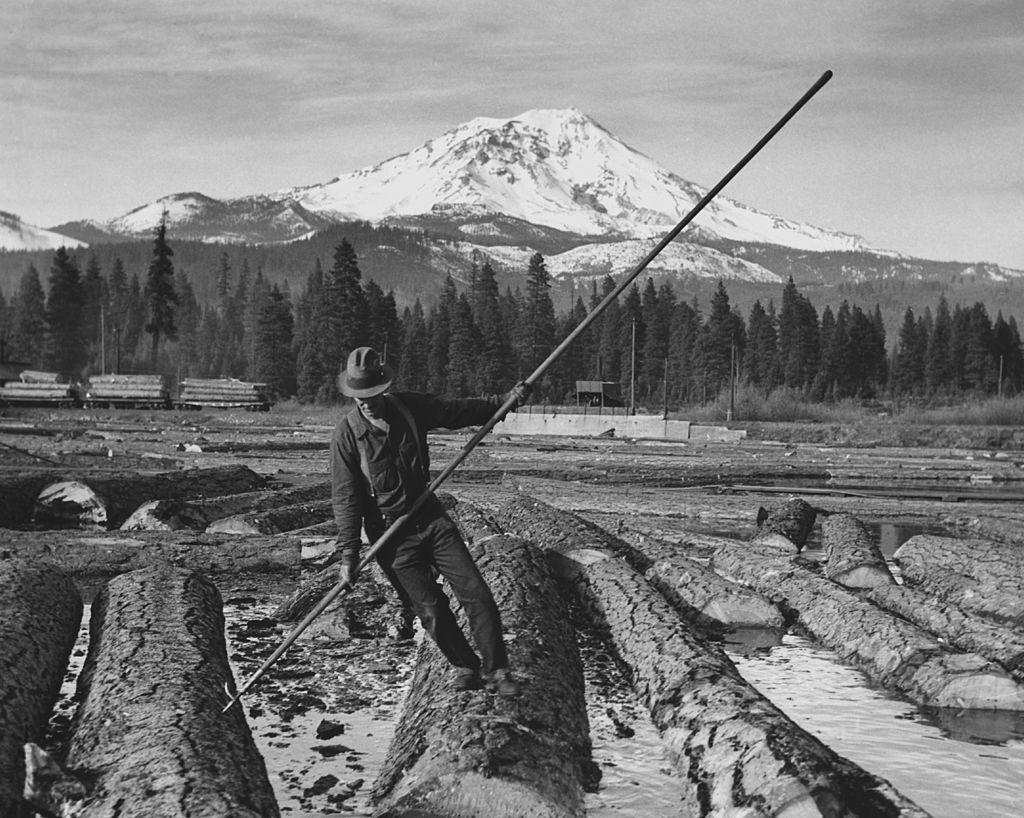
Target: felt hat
x: 365, y: 375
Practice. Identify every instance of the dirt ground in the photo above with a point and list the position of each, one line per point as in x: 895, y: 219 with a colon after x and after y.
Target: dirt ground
x: 324, y: 716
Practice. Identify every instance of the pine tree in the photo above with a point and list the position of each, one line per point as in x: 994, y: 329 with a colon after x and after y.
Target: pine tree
x: 413, y: 371
x: 439, y: 330
x: 136, y: 321
x: 495, y: 353
x: 274, y: 364
x: 314, y: 364
x: 938, y: 368
x: 463, y: 348
x: 161, y: 297
x: 536, y: 332
x: 630, y: 324
x: 683, y: 357
x: 28, y: 322
x: 117, y: 309
x: 66, y: 352
x: 94, y: 294
x: 799, y: 343
x: 189, y: 318
x: 345, y: 323
x: 760, y: 363
x: 826, y: 381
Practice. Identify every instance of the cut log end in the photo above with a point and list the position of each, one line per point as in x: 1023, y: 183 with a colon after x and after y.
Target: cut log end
x: 864, y: 576
x: 469, y: 793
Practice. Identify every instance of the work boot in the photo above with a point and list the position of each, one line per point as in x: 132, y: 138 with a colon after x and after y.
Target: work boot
x: 502, y: 683
x: 466, y: 678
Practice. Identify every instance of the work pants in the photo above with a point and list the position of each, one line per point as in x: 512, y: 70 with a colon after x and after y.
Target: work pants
x: 432, y: 544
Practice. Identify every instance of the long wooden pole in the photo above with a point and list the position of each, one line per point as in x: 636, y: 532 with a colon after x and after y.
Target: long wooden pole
x: 536, y: 375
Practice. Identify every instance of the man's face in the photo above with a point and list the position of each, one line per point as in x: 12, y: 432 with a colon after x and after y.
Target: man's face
x: 371, y: 407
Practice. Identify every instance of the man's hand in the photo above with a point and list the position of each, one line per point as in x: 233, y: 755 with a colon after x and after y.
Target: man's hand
x: 521, y: 392
x: 347, y: 572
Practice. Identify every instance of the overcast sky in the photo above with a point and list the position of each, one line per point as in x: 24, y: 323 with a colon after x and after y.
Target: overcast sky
x: 916, y: 144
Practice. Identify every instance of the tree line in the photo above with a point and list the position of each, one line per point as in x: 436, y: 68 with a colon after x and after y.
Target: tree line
x: 660, y: 349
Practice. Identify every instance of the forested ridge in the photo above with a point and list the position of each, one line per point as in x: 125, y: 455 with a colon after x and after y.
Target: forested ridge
x: 479, y: 337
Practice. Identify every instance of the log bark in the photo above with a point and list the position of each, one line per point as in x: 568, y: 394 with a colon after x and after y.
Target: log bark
x: 785, y: 525
x: 980, y: 576
x: 89, y: 555
x: 966, y: 631
x: 893, y: 652
x: 275, y: 520
x: 739, y: 753
x: 476, y: 753
x: 196, y: 515
x: 40, y: 611
x: 123, y: 492
x: 852, y: 557
x: 149, y: 733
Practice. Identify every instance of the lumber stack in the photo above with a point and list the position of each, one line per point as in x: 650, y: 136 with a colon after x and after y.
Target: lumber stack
x: 39, y: 387
x: 223, y: 393
x: 131, y: 390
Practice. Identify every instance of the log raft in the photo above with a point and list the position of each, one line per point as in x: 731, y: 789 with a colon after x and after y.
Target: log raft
x: 740, y: 754
x: 476, y: 753
x: 852, y: 557
x: 40, y: 611
x: 896, y: 653
x: 980, y: 576
x: 149, y: 737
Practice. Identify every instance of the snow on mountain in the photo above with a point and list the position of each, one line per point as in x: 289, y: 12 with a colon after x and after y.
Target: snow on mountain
x: 18, y: 235
x: 617, y: 258
x: 557, y: 168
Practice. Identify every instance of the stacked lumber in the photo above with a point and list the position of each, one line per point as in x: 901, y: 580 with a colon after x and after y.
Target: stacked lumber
x: 39, y: 387
x: 223, y: 393
x: 127, y: 390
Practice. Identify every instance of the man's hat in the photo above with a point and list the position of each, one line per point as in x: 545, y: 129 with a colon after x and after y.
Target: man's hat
x: 364, y: 375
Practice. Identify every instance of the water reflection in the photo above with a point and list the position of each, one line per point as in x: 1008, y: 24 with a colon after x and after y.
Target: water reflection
x: 976, y: 726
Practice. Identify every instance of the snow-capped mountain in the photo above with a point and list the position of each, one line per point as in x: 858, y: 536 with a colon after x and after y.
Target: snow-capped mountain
x: 554, y: 168
x: 18, y: 235
x: 551, y: 171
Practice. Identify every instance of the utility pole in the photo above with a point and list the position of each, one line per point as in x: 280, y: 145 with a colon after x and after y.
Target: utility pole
x: 732, y: 381
x: 664, y: 390
x: 1000, y: 393
x: 117, y: 350
x: 103, y: 342
x: 632, y: 374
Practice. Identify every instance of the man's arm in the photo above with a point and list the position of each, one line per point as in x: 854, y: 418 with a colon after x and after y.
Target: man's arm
x: 455, y: 414
x: 346, y: 496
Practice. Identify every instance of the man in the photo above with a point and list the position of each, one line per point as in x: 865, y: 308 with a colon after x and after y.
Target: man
x: 379, y: 468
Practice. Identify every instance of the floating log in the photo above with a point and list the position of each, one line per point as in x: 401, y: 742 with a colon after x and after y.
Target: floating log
x: 852, y: 557
x: 739, y: 753
x: 174, y: 515
x: 893, y: 652
x: 785, y: 525
x: 981, y: 576
x: 121, y: 493
x: 69, y: 504
x: 696, y: 591
x: 149, y: 737
x: 476, y: 753
x: 966, y: 631
x: 84, y: 554
x: 1007, y: 528
x: 275, y: 520
x: 40, y: 611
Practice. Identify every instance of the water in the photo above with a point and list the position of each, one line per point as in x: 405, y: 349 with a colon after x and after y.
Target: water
x: 952, y: 763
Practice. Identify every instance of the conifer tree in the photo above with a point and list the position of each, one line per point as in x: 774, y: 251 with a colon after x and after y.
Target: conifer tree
x: 314, y: 350
x: 826, y: 381
x: 536, y: 332
x: 274, y: 364
x: 27, y: 340
x: 759, y: 362
x: 66, y: 352
x: 413, y: 370
x: 439, y: 331
x: 463, y: 348
x: 938, y: 370
x: 161, y: 297
x: 136, y: 321
x: 189, y: 317
x: 117, y: 309
x: 94, y: 295
x: 495, y: 352
x: 345, y: 322
x: 683, y: 357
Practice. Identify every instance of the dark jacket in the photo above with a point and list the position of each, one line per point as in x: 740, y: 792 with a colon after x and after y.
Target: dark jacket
x: 398, y: 465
